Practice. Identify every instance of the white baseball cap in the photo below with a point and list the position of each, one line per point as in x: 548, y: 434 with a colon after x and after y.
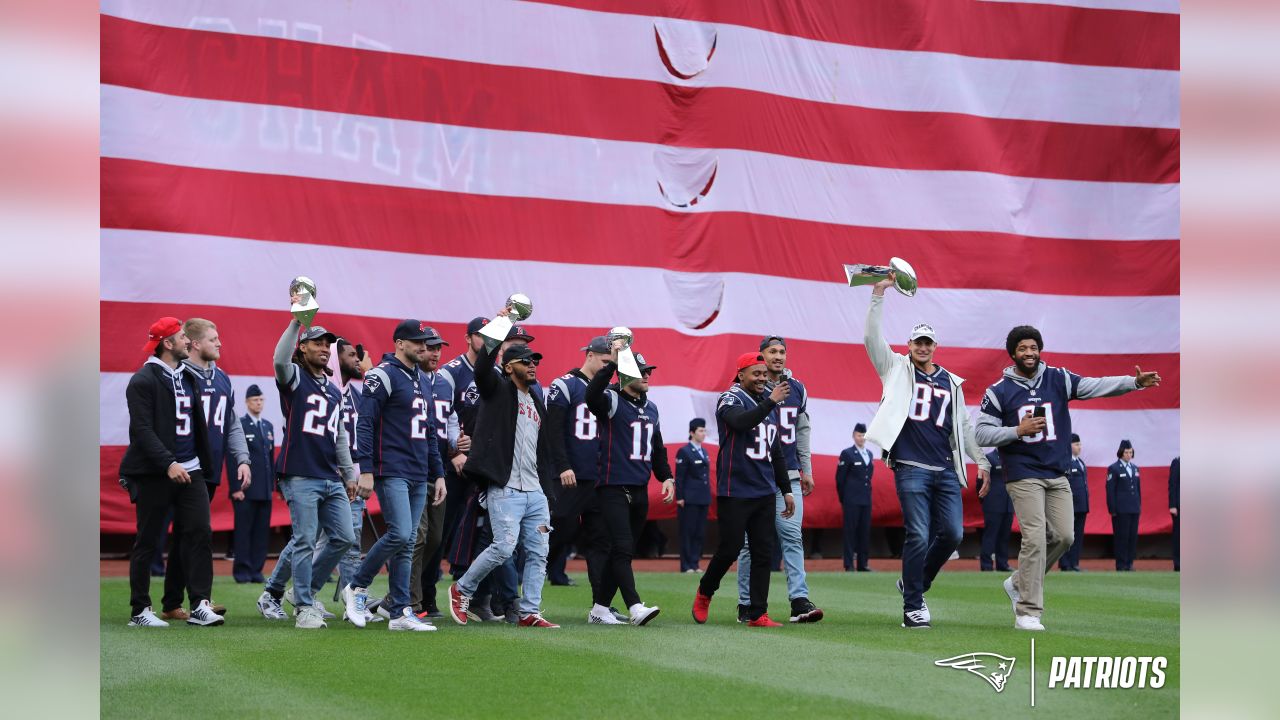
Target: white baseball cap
x: 923, y: 330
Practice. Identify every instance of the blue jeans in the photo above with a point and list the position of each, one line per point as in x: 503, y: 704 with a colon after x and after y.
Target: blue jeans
x: 346, y: 565
x: 402, y: 501
x: 933, y: 517
x: 516, y: 517
x: 315, y: 506
x: 792, y: 544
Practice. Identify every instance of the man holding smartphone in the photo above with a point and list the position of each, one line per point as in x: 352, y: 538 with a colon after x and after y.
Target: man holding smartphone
x: 1025, y: 415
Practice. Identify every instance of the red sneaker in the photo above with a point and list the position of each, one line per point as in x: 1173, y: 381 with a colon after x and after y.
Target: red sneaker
x: 763, y: 621
x: 536, y: 620
x: 458, y: 604
x: 701, y: 604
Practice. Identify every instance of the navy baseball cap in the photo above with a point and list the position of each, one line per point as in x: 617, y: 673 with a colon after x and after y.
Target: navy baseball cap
x: 521, y: 352
x: 599, y: 345
x: 476, y: 324
x: 433, y: 338
x: 412, y: 330
x: 518, y: 333
x: 315, y: 332
x: 253, y: 391
x: 772, y: 340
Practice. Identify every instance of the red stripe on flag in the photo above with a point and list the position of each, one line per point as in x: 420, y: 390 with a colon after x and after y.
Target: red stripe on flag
x: 839, y: 371
x: 1010, y: 31
x: 241, y: 68
x: 151, y: 196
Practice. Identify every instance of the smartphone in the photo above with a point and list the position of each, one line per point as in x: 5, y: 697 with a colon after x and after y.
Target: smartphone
x: 1038, y: 412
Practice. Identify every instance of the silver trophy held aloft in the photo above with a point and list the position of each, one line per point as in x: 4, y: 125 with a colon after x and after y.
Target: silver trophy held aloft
x: 495, y: 333
x: 628, y: 368
x: 904, y: 280
x: 305, y: 309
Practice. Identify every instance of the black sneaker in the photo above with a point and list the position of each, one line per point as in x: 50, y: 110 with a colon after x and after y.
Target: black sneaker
x: 803, y: 611
x: 915, y: 620
x: 744, y: 613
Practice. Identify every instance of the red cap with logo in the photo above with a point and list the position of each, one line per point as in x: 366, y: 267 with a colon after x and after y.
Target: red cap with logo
x: 161, y: 329
x: 747, y: 359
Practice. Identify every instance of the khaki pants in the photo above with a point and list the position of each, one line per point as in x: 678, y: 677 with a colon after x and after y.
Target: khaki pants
x: 1047, y: 518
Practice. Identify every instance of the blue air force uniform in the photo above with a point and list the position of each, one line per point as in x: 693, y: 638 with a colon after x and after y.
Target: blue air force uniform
x: 997, y: 519
x: 1175, y: 500
x: 693, y: 486
x: 1124, y: 502
x: 853, y: 488
x: 1078, y: 476
x: 253, y: 513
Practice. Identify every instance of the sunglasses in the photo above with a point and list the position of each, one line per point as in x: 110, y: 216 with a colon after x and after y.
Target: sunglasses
x: 527, y: 361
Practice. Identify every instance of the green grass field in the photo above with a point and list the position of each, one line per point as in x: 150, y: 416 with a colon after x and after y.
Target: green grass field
x: 855, y: 663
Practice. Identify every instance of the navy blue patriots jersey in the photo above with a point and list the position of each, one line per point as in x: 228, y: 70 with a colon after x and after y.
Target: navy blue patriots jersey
x: 789, y: 411
x: 745, y: 460
x: 439, y: 393
x: 312, y: 409
x: 627, y: 441
x: 353, y: 403
x: 184, y: 396
x: 219, y: 411
x: 581, y: 427
x: 926, y: 435
x: 397, y: 434
x: 466, y: 398
x: 1046, y: 454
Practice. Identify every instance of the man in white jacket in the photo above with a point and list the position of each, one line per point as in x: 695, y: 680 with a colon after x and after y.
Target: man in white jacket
x: 924, y: 428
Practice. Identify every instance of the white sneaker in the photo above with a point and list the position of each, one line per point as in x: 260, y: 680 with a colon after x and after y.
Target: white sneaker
x: 324, y: 612
x: 383, y: 612
x: 924, y: 606
x: 1012, y: 591
x: 354, y: 610
x: 642, y: 614
x: 1027, y: 622
x: 601, y: 615
x: 147, y: 618
x: 288, y: 597
x: 373, y: 618
x: 410, y: 622
x: 204, y: 615
x: 270, y: 607
x: 309, y: 618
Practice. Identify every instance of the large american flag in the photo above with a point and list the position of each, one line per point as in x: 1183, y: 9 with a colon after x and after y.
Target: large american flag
x: 698, y: 171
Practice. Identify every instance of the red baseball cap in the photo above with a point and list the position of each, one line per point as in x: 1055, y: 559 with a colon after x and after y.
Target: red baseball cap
x: 161, y: 329
x: 747, y: 359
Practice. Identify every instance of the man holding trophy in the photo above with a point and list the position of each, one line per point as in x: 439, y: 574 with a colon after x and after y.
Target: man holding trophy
x: 315, y: 458
x: 924, y: 427
x: 509, y: 449
x: 631, y: 450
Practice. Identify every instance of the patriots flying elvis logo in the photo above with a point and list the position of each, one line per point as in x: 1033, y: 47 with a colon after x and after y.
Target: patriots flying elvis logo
x: 991, y: 667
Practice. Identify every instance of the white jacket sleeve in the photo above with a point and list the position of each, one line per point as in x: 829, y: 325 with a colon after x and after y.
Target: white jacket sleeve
x: 882, y: 356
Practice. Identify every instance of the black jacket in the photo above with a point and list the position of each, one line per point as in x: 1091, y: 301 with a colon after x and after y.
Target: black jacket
x: 153, y: 425
x: 493, y: 444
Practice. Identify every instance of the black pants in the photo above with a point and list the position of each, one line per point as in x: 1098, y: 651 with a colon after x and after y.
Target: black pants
x: 754, y: 519
x: 455, y: 502
x: 189, y: 502
x: 1124, y: 539
x: 1175, y: 540
x: 175, y: 573
x: 253, y: 524
x: 692, y: 520
x: 996, y: 527
x: 622, y: 512
x: 1071, y: 560
x: 567, y: 507
x: 857, y: 536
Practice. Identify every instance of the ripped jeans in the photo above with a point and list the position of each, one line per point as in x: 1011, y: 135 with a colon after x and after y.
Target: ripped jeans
x: 516, y: 517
